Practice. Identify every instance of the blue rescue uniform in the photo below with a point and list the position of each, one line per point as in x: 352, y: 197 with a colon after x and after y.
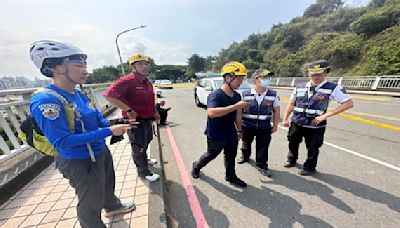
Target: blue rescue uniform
x: 49, y: 113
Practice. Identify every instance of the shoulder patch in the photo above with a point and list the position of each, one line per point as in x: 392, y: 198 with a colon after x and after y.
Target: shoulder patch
x: 51, y: 111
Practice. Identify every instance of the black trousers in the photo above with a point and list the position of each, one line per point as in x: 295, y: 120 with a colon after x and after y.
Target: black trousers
x: 94, y: 184
x: 214, y: 148
x: 263, y: 139
x: 314, y: 138
x: 140, y: 138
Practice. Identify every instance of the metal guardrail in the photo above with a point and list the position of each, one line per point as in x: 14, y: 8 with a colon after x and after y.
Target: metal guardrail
x: 17, y: 111
x: 375, y: 83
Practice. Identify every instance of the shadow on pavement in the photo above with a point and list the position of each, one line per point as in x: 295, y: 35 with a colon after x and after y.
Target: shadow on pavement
x: 361, y: 190
x: 185, y: 218
x: 282, y: 210
x: 300, y: 184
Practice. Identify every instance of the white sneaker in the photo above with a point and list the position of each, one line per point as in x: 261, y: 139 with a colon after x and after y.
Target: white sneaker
x: 152, y: 161
x: 153, y: 177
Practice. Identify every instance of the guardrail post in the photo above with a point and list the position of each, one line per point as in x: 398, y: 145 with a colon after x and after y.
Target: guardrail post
x: 277, y: 82
x: 4, y: 146
x: 292, y: 84
x: 9, y: 132
x: 340, y: 80
x: 376, y: 83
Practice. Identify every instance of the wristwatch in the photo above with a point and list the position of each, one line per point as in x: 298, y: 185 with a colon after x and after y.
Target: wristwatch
x: 129, y: 110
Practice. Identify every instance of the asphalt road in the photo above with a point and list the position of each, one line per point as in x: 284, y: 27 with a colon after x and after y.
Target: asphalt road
x: 357, y: 184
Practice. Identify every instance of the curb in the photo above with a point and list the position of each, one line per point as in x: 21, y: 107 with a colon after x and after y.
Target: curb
x: 157, y: 212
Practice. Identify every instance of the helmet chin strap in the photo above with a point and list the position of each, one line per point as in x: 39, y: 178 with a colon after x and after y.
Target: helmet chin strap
x: 66, y: 74
x: 229, y: 83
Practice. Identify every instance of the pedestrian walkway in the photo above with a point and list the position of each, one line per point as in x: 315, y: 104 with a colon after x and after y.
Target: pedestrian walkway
x: 49, y: 200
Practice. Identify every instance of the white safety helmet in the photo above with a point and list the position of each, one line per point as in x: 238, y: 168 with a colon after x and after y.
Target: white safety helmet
x: 48, y: 49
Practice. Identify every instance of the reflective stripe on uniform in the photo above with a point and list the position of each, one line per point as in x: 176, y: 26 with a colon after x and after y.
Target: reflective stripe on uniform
x: 257, y: 117
x: 325, y: 91
x: 309, y: 111
x: 269, y: 98
x: 249, y: 98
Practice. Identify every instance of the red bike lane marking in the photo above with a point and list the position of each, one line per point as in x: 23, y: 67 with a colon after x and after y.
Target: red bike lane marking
x: 194, y: 202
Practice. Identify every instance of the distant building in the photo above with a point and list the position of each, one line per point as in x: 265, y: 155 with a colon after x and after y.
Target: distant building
x: 8, y: 82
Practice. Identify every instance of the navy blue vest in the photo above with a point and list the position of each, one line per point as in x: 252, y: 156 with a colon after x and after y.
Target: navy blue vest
x: 258, y: 116
x: 307, y: 108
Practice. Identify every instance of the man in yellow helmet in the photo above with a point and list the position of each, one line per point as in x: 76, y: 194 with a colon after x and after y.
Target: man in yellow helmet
x: 224, y: 123
x: 134, y: 95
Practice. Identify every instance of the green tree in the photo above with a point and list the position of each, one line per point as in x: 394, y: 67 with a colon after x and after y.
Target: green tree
x: 195, y: 64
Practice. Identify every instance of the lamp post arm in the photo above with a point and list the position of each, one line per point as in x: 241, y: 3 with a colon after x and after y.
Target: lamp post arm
x: 119, y: 51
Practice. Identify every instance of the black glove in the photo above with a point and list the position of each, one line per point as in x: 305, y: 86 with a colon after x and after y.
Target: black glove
x: 115, y: 139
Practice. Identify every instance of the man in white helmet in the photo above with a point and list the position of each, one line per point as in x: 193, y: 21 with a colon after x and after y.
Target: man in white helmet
x: 83, y: 156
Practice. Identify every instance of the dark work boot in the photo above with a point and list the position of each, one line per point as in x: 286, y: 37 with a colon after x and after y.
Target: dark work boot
x: 195, y: 172
x: 243, y: 160
x: 236, y: 181
x: 289, y: 164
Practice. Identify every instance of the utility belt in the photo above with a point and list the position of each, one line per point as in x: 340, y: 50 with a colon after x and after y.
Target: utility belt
x: 141, y: 119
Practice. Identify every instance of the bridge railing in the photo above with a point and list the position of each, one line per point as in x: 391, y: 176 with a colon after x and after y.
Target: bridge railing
x: 14, y: 111
x: 382, y: 83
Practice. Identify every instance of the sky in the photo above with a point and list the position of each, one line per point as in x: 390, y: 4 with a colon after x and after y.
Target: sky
x: 175, y: 30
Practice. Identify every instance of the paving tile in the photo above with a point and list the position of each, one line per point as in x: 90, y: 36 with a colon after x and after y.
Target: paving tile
x: 35, y: 200
x: 61, y: 204
x: 7, y: 213
x: 33, y: 220
x: 52, y: 197
x: 141, y: 210
x: 66, y: 223
x: 68, y: 194
x: 142, y: 190
x: 60, y: 188
x: 127, y: 192
x: 16, y: 203
x: 121, y: 224
x: 13, y: 222
x: 25, y: 210
x: 70, y: 213
x: 53, y: 216
x: 129, y: 185
x: 43, y: 207
x: 141, y: 199
x: 27, y: 193
x: 48, y: 225
x: 142, y: 222
x: 43, y: 191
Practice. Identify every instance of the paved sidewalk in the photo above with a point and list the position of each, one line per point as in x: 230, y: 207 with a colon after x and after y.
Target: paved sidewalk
x: 49, y: 200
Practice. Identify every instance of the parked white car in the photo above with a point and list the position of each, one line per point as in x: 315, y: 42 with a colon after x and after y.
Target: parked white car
x: 204, y: 87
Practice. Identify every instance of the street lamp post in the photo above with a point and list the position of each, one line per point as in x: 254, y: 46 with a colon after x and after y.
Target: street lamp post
x: 116, y: 43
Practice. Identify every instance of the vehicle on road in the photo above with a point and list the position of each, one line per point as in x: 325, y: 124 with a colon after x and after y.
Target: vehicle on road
x: 204, y: 87
x: 163, y: 84
x: 158, y: 92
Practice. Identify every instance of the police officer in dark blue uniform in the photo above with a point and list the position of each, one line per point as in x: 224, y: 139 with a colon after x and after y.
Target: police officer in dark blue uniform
x: 309, y: 103
x: 264, y: 106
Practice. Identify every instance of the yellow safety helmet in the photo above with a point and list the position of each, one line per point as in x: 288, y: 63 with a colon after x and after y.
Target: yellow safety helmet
x: 318, y: 67
x: 138, y: 57
x: 234, y: 68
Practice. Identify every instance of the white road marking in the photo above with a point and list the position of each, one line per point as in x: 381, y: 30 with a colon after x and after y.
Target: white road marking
x: 390, y: 166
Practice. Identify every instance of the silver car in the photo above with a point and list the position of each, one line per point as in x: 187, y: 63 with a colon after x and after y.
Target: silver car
x: 205, y: 85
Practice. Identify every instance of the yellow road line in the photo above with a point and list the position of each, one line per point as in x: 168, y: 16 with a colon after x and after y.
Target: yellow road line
x: 375, y: 116
x: 354, y: 118
x: 370, y: 98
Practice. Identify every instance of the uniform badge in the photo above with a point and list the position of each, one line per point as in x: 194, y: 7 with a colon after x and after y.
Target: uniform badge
x: 50, y: 111
x: 320, y: 97
x: 269, y: 103
x: 90, y: 106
